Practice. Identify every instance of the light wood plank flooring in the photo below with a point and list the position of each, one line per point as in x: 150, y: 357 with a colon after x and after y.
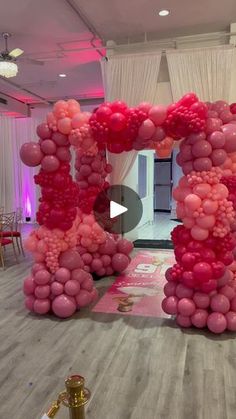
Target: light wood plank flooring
x: 136, y: 368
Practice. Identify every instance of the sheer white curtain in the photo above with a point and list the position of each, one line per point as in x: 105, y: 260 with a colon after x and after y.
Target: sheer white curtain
x: 132, y: 78
x: 205, y: 71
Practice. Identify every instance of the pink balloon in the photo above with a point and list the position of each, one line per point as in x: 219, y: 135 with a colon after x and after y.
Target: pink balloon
x: 186, y: 307
x: 57, y: 288
x: 63, y: 154
x: 192, y: 202
x: 48, y: 147
x: 43, y: 131
x: 209, y: 206
x: 187, y: 167
x: 220, y: 106
x: 201, y: 299
x: 109, y: 247
x: 169, y: 289
x: 216, y: 322
x: 218, y: 157
x: 159, y: 134
x: 29, y: 286
x: 71, y: 259
x: 183, y: 292
x: 226, y: 116
x: 42, y: 291
x: 201, y: 149
x: 202, y: 190
x: 31, y: 154
x: 125, y: 246
x: 158, y: 114
x: 29, y: 302
x: 233, y: 304
x: 63, y: 275
x: 220, y: 303
x: 199, y: 318
x: 186, y: 152
x: 170, y: 304
x: 50, y: 163
x: 117, y: 122
x: 213, y: 124
x: 206, y: 222
x: 96, y: 264
x: 192, y: 138
x: 88, y: 284
x: 64, y: 125
x: 72, y: 287
x: 80, y: 275
x: 79, y: 120
x: 202, y: 163
x: 42, y: 306
x: 183, y: 321
x: 229, y: 131
x: 37, y: 267
x: 231, y: 321
x: 147, y: 129
x: 144, y: 106
x: 84, y: 298
x: 120, y: 262
x: 216, y: 139
x: 42, y: 277
x: 64, y: 306
x: 227, y: 291
x: 60, y: 139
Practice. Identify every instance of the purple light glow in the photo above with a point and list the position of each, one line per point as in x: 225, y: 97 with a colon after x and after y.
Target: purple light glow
x: 28, y: 209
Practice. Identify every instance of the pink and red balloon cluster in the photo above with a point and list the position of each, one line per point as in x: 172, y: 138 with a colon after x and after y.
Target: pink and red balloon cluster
x: 201, y: 287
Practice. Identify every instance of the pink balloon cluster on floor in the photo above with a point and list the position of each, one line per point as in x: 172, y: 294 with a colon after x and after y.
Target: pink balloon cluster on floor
x: 201, y: 287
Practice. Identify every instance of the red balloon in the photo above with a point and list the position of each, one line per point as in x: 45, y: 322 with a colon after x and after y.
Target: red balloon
x: 117, y: 122
x: 202, y: 272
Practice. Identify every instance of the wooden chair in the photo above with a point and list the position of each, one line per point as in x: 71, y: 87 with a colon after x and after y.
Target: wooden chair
x: 16, y: 233
x: 7, y: 223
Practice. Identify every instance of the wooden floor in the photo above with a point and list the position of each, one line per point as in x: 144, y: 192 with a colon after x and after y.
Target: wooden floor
x: 136, y: 368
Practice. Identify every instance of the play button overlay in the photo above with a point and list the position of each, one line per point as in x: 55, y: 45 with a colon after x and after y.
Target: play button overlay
x: 118, y: 209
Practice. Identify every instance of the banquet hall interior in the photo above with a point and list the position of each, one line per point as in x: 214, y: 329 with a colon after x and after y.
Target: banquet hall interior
x: 117, y: 209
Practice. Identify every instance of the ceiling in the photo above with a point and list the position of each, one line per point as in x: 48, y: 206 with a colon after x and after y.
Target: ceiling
x: 62, y: 33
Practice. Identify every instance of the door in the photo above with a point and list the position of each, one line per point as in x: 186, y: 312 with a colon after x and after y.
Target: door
x: 162, y: 184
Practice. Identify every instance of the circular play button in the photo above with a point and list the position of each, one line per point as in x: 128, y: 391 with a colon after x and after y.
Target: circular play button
x: 118, y: 209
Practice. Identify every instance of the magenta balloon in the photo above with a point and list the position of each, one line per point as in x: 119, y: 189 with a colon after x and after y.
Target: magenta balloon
x: 186, y: 152
x: 42, y: 291
x: 42, y: 277
x: 226, y: 116
x: 202, y: 163
x: 80, y: 275
x: 96, y: 264
x: 57, y: 288
x: 50, y: 163
x: 199, y: 318
x: 183, y: 321
x: 44, y: 131
x: 63, y: 154
x: 63, y: 275
x: 169, y: 305
x: 64, y: 306
x: 158, y: 114
x: 72, y: 287
x: 94, y: 179
x: 212, y: 114
x: 60, y: 139
x: 29, y: 302
x: 29, y: 286
x: 31, y: 154
x: 230, y: 137
x: 216, y: 322
x: 186, y: 307
x: 220, y: 106
x: 144, y: 106
x: 187, y: 167
x: 125, y: 246
x: 231, y: 321
x: 147, y: 129
x: 48, y: 147
x: 117, y: 121
x: 120, y: 262
x: 216, y: 139
x: 201, y: 299
x: 201, y: 149
x: 213, y: 124
x: 71, y: 259
x: 220, y: 303
x: 218, y: 157
x: 159, y: 134
x: 106, y: 260
x: 192, y: 138
x: 42, y: 306
x: 84, y: 298
x: 108, y: 248
x: 88, y: 284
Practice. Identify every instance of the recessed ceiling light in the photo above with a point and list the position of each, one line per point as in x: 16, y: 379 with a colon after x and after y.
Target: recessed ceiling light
x: 164, y: 13
x: 62, y: 75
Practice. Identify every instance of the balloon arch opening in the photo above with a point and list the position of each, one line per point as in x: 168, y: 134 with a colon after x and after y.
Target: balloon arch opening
x: 69, y: 245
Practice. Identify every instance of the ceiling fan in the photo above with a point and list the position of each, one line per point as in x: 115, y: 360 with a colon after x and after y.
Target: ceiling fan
x: 8, y: 66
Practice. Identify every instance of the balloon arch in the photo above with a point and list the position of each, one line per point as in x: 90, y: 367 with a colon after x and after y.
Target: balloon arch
x: 69, y: 245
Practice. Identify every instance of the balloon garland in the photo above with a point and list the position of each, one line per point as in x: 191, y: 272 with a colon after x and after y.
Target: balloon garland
x: 69, y: 245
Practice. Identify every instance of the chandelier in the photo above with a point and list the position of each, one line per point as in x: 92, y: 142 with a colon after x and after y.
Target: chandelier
x: 8, y: 69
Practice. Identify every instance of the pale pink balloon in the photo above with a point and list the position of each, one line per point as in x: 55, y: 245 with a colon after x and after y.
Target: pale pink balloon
x: 201, y: 299
x: 31, y: 154
x: 42, y: 277
x: 50, y: 163
x: 183, y: 321
x: 220, y: 303
x: 57, y: 288
x: 216, y: 322
x: 201, y: 149
x: 79, y: 120
x: 72, y: 287
x: 231, y: 321
x: 64, y: 125
x: 209, y: 206
x: 43, y: 131
x: 216, y: 139
x: 199, y: 233
x: 64, y: 306
x: 218, y: 157
x: 60, y: 139
x: 158, y: 114
x: 206, y: 222
x: 29, y: 286
x: 199, y: 318
x: 202, y: 164
x: 63, y: 154
x: 192, y: 202
x: 84, y: 298
x: 48, y: 147
x: 42, y: 306
x: 147, y: 129
x: 202, y: 190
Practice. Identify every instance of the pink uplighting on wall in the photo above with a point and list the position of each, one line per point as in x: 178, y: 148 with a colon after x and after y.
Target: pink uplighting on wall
x: 28, y: 208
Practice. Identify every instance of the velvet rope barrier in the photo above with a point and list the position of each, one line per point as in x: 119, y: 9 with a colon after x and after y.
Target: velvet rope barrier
x: 69, y: 245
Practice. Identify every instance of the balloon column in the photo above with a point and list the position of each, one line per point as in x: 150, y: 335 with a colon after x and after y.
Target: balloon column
x: 201, y: 287
x: 69, y: 245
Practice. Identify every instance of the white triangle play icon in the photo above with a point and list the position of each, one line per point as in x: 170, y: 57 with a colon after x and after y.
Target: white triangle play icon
x: 116, y: 209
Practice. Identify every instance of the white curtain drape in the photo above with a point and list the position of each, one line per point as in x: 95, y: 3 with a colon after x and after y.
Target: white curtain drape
x: 132, y: 78
x: 206, y: 71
